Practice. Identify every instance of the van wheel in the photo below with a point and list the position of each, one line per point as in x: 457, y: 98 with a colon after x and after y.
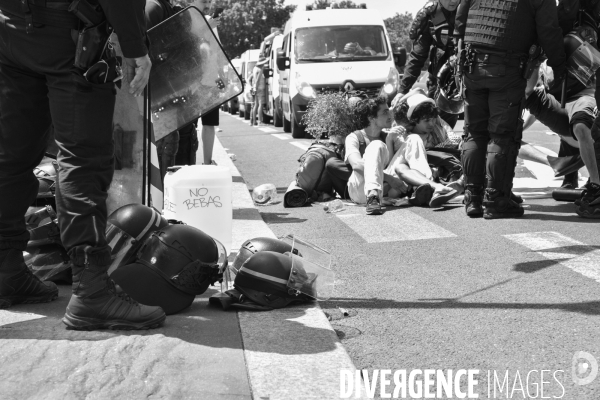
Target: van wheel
x: 287, y: 126
x: 277, y: 115
x: 297, y: 129
x: 247, y: 111
x: 232, y: 110
x: 241, y: 111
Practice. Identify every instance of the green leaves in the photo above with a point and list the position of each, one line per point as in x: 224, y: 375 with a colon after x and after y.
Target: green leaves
x: 245, y: 23
x: 330, y: 114
x: 398, y: 27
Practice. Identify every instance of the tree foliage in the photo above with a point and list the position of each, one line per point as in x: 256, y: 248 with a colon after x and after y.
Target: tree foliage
x: 245, y: 23
x: 398, y: 27
x: 322, y: 4
x: 330, y: 114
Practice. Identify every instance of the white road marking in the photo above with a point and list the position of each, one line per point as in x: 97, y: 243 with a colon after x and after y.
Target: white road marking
x: 393, y: 226
x: 267, y: 129
x: 550, y: 133
x: 301, y: 145
x: 573, y: 254
x: 282, y: 136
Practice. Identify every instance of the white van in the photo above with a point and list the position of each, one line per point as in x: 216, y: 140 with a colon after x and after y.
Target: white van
x: 333, y: 49
x: 249, y: 58
x: 233, y: 105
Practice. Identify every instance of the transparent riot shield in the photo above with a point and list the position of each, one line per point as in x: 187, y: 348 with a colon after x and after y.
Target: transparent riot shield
x: 584, y: 62
x: 311, y: 272
x: 130, y: 135
x: 191, y: 75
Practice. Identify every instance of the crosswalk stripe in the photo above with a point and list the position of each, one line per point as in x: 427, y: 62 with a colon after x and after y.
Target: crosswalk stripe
x: 301, y: 145
x: 570, y: 253
x: 282, y: 136
x: 399, y: 225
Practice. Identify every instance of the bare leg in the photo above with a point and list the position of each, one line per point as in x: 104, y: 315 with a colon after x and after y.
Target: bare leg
x: 415, y: 178
x: 530, y: 153
x: 208, y: 141
x: 586, y: 147
x: 259, y: 117
x: 253, y: 113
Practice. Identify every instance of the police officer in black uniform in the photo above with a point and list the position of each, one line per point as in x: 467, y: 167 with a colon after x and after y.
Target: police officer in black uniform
x: 38, y: 84
x: 494, y: 41
x: 431, y: 33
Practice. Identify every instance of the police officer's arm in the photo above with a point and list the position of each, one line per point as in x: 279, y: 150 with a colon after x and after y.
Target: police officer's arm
x: 416, y: 61
x: 128, y: 19
x: 550, y: 35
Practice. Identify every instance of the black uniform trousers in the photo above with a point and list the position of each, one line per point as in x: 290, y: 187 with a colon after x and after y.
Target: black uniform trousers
x: 37, y: 87
x: 494, y: 91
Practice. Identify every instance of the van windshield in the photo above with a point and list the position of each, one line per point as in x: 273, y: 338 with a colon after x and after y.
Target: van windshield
x: 250, y: 66
x: 341, y: 43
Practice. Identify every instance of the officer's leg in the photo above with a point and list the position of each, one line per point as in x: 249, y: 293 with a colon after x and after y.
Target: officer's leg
x: 24, y: 120
x: 82, y: 114
x: 505, y: 127
x: 474, y: 147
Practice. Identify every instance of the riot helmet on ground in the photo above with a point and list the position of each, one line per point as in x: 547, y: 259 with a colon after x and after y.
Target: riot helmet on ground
x: 126, y: 230
x: 252, y: 246
x: 174, y: 264
x: 448, y: 97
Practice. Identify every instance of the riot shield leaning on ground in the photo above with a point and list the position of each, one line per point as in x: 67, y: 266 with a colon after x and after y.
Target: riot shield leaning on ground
x: 191, y: 74
x: 130, y: 135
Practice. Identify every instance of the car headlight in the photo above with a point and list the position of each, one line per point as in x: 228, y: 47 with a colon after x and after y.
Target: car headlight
x: 304, y: 88
x: 390, y: 87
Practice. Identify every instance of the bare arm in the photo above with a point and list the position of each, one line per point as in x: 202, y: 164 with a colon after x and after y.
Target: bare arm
x: 586, y: 147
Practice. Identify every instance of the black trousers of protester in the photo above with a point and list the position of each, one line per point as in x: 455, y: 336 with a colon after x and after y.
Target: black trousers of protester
x: 339, y: 172
x: 494, y: 91
x: 37, y: 87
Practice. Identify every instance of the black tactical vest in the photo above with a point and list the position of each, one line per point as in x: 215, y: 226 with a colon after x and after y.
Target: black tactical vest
x: 505, y: 25
x: 442, y: 27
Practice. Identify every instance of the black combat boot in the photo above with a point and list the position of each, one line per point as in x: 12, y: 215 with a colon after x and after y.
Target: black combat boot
x: 589, y: 204
x: 473, y: 201
x: 496, y: 205
x: 18, y: 284
x: 97, y: 304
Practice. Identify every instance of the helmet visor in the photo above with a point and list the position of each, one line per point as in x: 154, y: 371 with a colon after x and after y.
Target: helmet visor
x: 311, y: 272
x: 584, y: 62
x: 47, y: 261
x: 123, y: 246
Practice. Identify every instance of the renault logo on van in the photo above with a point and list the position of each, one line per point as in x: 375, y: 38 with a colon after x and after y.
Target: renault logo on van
x: 348, y: 86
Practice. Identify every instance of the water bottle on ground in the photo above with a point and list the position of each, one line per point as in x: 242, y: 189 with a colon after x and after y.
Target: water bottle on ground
x: 264, y: 194
x: 334, y: 206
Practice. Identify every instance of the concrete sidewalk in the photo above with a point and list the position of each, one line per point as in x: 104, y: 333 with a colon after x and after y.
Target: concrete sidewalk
x: 201, y: 353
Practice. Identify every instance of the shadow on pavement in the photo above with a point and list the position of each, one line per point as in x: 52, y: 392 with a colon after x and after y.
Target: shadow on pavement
x: 279, y: 218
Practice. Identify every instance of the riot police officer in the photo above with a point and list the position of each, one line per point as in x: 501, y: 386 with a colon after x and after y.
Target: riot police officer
x: 39, y: 84
x: 494, y: 41
x: 431, y: 33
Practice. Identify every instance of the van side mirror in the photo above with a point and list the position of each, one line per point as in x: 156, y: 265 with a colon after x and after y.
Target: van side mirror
x: 267, y: 72
x: 283, y: 62
x: 400, y: 58
x: 244, y: 81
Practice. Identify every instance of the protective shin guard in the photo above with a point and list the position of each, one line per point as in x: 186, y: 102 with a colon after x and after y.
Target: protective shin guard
x: 473, y: 155
x: 501, y: 163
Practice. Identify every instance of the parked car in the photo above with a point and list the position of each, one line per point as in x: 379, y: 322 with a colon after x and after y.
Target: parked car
x: 233, y: 105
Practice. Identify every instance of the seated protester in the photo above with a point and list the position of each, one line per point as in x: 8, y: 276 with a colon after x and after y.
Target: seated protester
x: 368, y: 156
x: 575, y: 121
x: 410, y: 162
x: 440, y: 142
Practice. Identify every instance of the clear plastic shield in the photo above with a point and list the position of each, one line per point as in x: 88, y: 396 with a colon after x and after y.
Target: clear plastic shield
x: 129, y: 135
x: 46, y: 261
x: 311, y: 273
x: 190, y: 74
x: 583, y: 63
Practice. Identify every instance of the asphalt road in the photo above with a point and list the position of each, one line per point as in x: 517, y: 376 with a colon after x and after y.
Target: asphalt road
x: 433, y: 289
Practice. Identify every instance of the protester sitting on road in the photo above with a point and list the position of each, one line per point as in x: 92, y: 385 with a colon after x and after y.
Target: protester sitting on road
x: 258, y: 87
x: 575, y: 121
x: 411, y: 163
x: 368, y: 156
